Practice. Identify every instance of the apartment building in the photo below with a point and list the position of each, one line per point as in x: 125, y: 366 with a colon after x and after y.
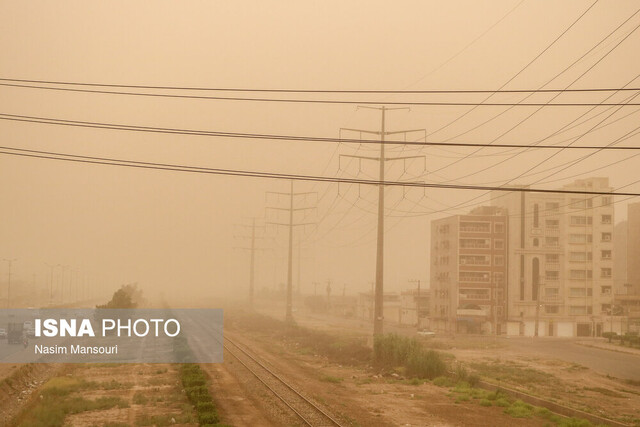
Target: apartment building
x: 560, y: 270
x: 468, y: 270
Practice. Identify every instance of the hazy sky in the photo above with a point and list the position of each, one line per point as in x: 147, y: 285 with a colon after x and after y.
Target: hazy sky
x: 175, y: 231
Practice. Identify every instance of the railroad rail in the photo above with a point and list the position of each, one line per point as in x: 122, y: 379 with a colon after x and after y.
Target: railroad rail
x: 308, y: 412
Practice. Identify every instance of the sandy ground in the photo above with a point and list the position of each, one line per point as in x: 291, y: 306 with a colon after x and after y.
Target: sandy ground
x: 360, y: 399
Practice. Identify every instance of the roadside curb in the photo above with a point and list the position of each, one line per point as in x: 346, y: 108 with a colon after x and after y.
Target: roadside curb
x: 610, y: 348
x: 552, y: 406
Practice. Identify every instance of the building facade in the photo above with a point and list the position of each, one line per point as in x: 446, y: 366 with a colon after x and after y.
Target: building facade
x: 468, y: 272
x: 560, y: 268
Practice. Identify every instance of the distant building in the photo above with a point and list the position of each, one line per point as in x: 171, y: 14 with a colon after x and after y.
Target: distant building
x: 391, y: 307
x: 468, y: 270
x: 560, y: 273
x: 633, y: 247
x: 620, y: 243
x: 414, y: 307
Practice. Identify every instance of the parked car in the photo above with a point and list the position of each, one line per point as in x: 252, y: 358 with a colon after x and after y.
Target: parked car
x: 426, y: 333
x: 3, y: 333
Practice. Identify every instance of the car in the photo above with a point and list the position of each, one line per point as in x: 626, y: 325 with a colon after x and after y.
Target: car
x: 3, y: 333
x: 426, y: 333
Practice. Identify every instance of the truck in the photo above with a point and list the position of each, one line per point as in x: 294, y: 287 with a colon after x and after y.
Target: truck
x: 15, y: 333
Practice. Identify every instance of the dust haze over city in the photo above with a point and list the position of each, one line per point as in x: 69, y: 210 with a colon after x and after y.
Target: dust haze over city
x: 142, y: 141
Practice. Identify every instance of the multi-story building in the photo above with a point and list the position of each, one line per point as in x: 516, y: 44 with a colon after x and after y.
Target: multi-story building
x: 468, y: 269
x: 633, y: 247
x: 560, y: 280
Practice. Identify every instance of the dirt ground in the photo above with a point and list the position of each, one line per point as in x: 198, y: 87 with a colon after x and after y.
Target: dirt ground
x: 151, y: 395
x: 357, y: 398
x: 566, y: 383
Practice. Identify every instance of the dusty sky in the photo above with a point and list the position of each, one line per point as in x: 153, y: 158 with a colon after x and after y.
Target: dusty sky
x: 175, y: 231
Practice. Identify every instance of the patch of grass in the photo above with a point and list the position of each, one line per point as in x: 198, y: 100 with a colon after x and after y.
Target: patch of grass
x: 331, y: 379
x: 514, y: 373
x: 443, y: 381
x: 139, y: 398
x: 194, y: 381
x: 392, y: 350
x: 519, y: 409
x: 604, y: 391
x: 485, y: 402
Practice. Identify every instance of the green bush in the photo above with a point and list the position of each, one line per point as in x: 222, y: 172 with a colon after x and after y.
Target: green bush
x: 392, y: 350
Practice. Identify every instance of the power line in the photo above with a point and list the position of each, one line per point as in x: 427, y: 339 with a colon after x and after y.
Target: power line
x: 281, y: 90
x: 566, y: 30
x: 324, y: 101
x: 272, y: 175
x: 178, y: 131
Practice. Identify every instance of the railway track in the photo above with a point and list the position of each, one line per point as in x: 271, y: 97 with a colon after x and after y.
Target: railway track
x: 308, y: 412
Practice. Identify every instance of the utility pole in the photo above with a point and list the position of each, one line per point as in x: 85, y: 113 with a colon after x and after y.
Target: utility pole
x: 537, y: 285
x: 10, y: 261
x: 378, y: 320
x: 51, y: 267
x: 417, y: 301
x: 290, y: 225
x: 252, y: 248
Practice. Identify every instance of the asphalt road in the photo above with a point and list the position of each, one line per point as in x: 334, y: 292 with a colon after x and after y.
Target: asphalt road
x: 607, y: 362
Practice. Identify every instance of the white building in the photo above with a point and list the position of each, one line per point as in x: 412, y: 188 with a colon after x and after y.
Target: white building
x: 560, y: 260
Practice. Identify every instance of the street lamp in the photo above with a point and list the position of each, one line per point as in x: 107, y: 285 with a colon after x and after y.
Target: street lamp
x: 10, y: 261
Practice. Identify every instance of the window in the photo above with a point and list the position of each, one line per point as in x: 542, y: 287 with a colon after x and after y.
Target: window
x: 536, y: 222
x: 475, y: 226
x: 475, y: 243
x: 551, y: 275
x: 580, y: 274
x: 499, y: 227
x: 606, y: 200
x: 443, y: 229
x: 552, y: 206
x: 577, y: 292
x: 551, y: 241
x: 580, y: 238
x: 581, y: 220
x: 606, y: 219
x: 605, y: 254
x: 475, y: 260
x: 606, y: 237
x: 474, y: 276
x: 551, y: 309
x: 551, y: 292
x: 498, y: 244
x: 606, y: 308
x: 444, y: 244
x: 552, y: 223
x: 475, y: 294
x: 552, y: 258
x: 605, y: 290
x: 498, y: 278
x: 444, y: 260
x: 580, y: 203
x: 580, y: 256
x: 498, y: 260
x: 605, y: 273
x: 577, y: 310
x: 536, y: 242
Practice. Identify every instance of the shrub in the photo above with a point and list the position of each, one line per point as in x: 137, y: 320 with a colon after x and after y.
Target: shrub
x: 392, y: 350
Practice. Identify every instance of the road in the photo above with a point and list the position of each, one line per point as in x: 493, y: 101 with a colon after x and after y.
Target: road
x: 607, y: 362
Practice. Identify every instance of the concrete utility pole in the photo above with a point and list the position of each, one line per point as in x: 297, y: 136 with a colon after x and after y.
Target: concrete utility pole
x: 417, y: 281
x: 537, y: 285
x: 51, y: 267
x: 10, y: 261
x: 378, y: 320
x: 252, y: 248
x: 291, y: 224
